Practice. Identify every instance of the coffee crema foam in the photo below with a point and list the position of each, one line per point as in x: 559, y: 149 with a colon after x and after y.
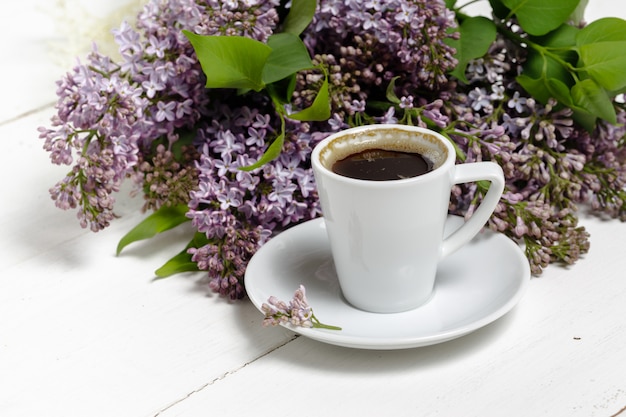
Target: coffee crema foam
x: 398, y: 140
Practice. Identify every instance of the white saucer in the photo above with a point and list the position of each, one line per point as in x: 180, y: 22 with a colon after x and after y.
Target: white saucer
x: 474, y: 286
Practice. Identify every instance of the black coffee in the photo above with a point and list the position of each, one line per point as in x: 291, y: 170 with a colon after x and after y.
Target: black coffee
x: 382, y: 165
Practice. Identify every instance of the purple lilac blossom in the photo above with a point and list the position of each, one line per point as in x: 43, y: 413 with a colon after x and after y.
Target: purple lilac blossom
x: 297, y: 312
x: 382, y: 36
x: 121, y: 119
x: 237, y: 209
x: 108, y: 112
x: 364, y: 45
x: 548, y: 164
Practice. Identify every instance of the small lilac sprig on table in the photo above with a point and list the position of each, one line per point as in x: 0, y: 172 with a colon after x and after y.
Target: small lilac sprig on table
x: 297, y: 312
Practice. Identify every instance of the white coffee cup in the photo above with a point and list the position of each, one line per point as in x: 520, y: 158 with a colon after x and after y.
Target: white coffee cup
x: 387, y: 237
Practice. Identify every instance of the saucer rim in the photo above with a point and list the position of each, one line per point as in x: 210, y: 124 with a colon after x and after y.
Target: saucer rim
x: 521, y: 278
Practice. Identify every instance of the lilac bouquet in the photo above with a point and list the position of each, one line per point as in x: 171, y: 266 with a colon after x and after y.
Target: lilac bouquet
x: 215, y: 106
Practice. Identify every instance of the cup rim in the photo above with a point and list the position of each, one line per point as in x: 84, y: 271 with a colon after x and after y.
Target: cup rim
x: 440, y: 170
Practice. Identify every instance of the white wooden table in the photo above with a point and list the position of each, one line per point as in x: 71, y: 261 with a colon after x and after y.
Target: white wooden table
x: 86, y: 333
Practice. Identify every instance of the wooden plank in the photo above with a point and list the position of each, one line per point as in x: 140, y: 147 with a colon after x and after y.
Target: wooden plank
x: 558, y: 353
x: 83, y: 332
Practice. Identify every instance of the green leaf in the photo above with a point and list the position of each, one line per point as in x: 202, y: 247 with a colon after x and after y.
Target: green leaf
x: 602, y: 30
x: 476, y: 35
x: 182, y: 261
x: 558, y: 47
x: 536, y: 87
x: 560, y: 91
x: 231, y: 61
x: 272, y: 152
x: 538, y: 17
x: 584, y: 118
x: 163, y: 219
x: 601, y: 45
x: 545, y: 66
x: 391, y: 93
x: 605, y: 62
x: 281, y: 91
x: 544, y: 88
x: 590, y: 96
x: 499, y: 9
x: 289, y: 55
x: 300, y: 16
x: 319, y: 110
x: 561, y: 41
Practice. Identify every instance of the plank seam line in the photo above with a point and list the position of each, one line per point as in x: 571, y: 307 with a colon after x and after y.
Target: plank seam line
x: 27, y: 113
x: 619, y: 412
x: 224, y: 375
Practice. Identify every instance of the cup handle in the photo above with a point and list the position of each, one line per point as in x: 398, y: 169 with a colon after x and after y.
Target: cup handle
x: 476, y: 171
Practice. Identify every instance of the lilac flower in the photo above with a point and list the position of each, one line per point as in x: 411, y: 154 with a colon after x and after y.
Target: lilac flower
x: 268, y: 198
x: 476, y: 67
x: 149, y: 117
x: 374, y: 35
x: 516, y: 102
x: 225, y: 256
x: 165, y: 111
x: 406, y: 102
x: 167, y: 181
x: 231, y: 197
x: 406, y: 13
x: 389, y: 116
x: 297, y: 312
x: 480, y: 99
